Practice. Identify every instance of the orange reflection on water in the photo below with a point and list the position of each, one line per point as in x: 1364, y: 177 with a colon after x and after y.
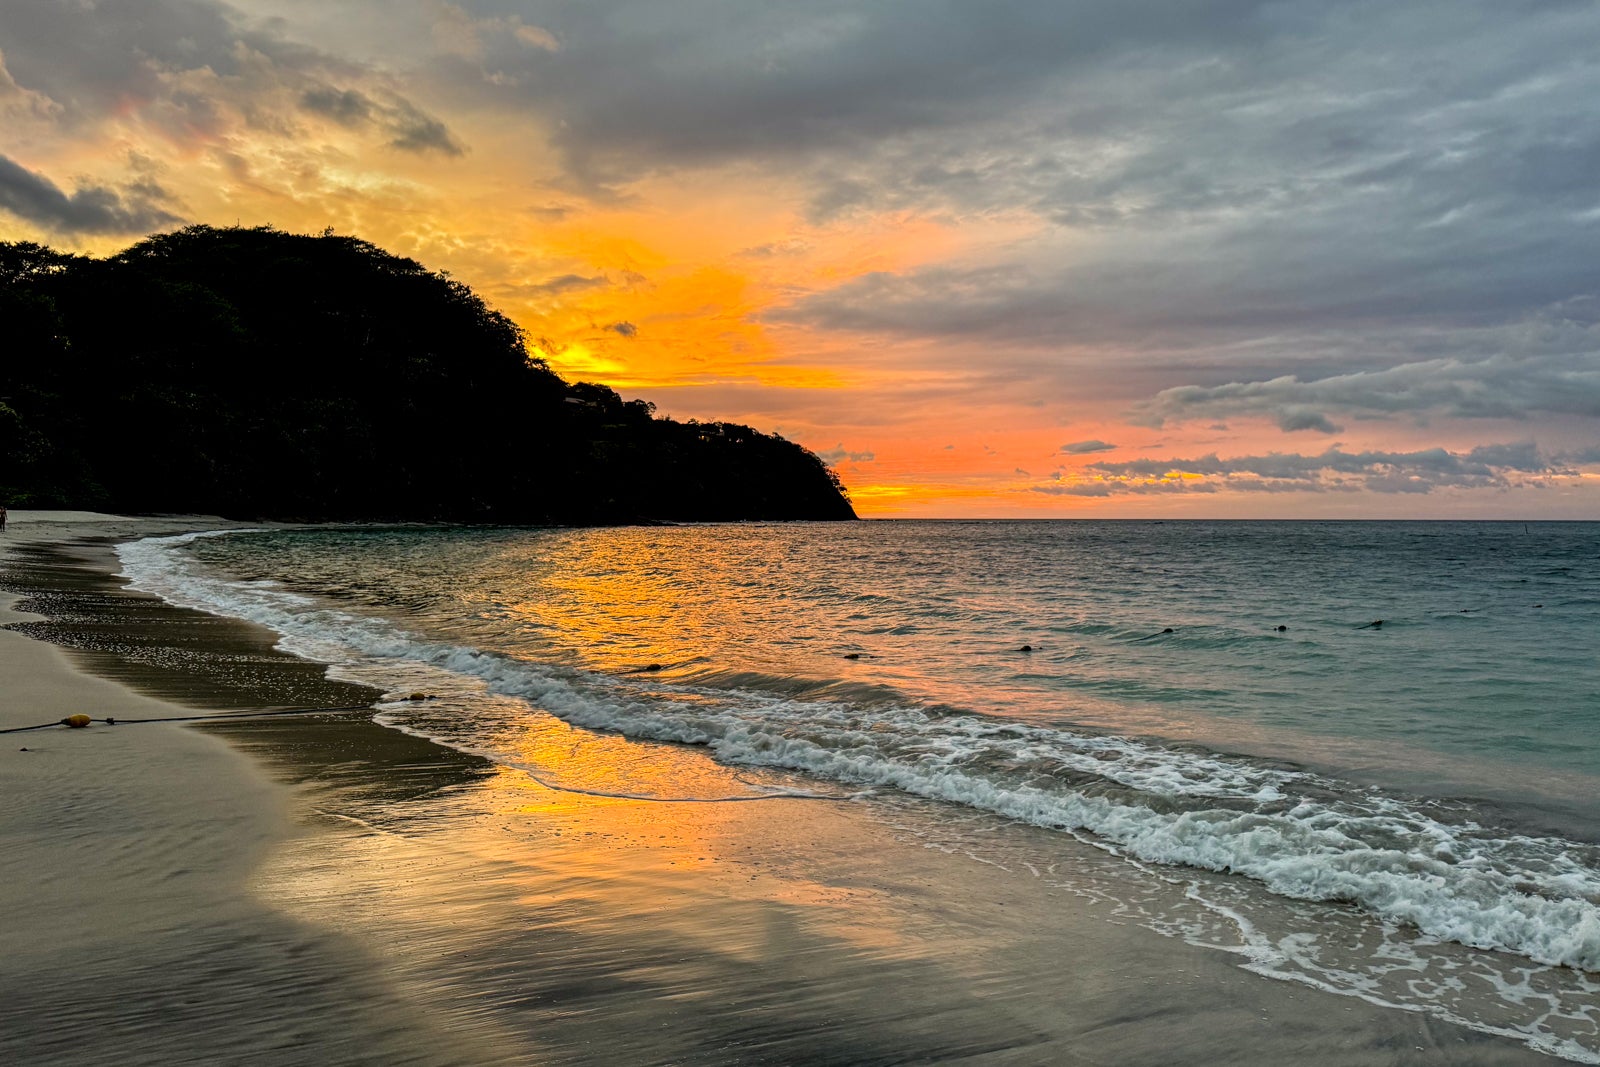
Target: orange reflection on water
x: 642, y: 597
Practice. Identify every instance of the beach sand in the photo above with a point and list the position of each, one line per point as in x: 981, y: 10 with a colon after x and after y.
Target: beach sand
x: 133, y: 933
x: 325, y: 890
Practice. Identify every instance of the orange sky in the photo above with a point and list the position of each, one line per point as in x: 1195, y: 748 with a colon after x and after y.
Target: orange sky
x: 934, y: 292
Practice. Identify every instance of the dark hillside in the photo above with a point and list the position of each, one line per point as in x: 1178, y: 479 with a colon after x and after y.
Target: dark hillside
x: 254, y: 373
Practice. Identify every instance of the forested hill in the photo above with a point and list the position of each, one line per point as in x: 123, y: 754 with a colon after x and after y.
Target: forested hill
x: 260, y: 374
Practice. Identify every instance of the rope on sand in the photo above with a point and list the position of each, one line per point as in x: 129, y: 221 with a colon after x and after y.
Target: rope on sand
x: 78, y: 722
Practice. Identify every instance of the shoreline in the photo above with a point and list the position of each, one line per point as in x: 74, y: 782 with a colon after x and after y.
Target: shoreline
x: 136, y: 936
x: 503, y: 922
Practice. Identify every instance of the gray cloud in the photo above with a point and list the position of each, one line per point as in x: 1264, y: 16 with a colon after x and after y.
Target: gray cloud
x: 626, y: 329
x: 637, y: 86
x: 198, y: 70
x: 1552, y: 368
x: 409, y: 128
x: 1283, y: 194
x: 774, y: 249
x: 413, y: 130
x: 1580, y: 457
x: 568, y: 283
x: 1083, y: 448
x: 90, y: 57
x: 17, y: 102
x: 1496, y: 466
x: 1105, y: 489
x: 342, y: 105
x: 1293, y: 418
x: 838, y: 454
x: 89, y: 209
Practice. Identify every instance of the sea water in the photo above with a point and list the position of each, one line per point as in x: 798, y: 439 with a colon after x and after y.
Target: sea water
x: 1363, y: 756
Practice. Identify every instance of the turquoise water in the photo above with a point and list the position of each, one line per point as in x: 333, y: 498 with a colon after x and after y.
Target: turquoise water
x: 1341, y: 794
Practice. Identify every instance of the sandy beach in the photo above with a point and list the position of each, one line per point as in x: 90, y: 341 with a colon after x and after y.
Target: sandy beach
x: 321, y: 889
x: 134, y: 931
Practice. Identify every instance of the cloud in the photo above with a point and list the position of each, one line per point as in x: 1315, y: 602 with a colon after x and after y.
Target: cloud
x: 638, y: 88
x: 458, y: 32
x: 342, y: 105
x: 1581, y: 457
x: 568, y: 283
x: 89, y: 209
x: 773, y: 249
x: 534, y: 36
x: 1496, y: 466
x: 1105, y: 489
x: 1540, y: 362
x: 1084, y: 448
x: 414, y: 130
x: 1291, y: 419
x: 199, y: 72
x: 838, y: 454
x: 19, y: 103
x: 409, y: 128
x: 1282, y: 197
x: 626, y: 329
x: 1562, y: 378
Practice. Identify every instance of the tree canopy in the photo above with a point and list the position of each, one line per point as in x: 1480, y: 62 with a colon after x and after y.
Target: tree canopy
x: 260, y: 374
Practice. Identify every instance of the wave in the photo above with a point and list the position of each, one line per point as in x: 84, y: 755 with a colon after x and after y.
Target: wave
x: 1297, y: 834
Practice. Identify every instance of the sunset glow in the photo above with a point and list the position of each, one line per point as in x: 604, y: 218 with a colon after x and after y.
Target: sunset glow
x: 1020, y: 262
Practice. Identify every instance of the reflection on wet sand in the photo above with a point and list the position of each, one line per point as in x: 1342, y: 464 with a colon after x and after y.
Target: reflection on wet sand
x: 581, y: 929
x: 603, y: 930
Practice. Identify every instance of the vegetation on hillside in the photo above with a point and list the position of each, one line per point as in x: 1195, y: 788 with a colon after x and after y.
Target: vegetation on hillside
x: 261, y: 374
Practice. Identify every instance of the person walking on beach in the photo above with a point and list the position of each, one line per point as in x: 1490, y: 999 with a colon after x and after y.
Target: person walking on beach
x: 2, y: 518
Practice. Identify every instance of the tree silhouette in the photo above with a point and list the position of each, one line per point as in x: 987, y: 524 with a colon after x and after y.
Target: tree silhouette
x: 256, y: 373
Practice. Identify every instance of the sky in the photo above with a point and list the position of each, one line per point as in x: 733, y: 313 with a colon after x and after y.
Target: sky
x: 1007, y: 259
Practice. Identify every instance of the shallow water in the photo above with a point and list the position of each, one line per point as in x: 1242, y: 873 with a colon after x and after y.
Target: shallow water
x: 1404, y: 812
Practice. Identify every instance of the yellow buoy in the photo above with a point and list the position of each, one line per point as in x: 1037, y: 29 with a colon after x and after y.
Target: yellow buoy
x: 77, y: 722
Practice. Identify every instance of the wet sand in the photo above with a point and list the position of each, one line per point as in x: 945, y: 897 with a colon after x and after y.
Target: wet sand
x: 326, y: 890
x: 133, y: 931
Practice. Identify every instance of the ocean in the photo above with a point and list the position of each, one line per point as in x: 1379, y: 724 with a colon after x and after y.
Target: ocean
x: 1360, y: 756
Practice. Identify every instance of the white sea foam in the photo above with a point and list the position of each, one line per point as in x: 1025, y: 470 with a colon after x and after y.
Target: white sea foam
x: 1298, y: 835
